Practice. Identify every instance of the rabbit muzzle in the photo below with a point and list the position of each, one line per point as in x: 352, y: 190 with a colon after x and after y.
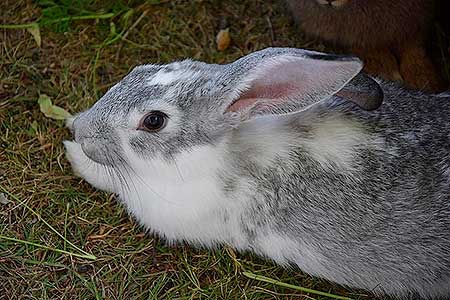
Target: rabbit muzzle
x: 97, y: 139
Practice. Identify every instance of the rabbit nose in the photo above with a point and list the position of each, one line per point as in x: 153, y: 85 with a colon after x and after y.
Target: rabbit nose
x: 86, y: 126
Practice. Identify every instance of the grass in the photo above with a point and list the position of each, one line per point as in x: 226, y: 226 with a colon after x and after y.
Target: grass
x: 59, y: 237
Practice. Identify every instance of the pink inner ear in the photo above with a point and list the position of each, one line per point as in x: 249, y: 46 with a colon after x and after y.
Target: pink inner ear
x: 266, y: 95
x: 286, y: 78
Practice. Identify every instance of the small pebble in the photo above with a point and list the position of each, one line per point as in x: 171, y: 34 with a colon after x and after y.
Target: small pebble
x: 223, y: 39
x: 83, y: 268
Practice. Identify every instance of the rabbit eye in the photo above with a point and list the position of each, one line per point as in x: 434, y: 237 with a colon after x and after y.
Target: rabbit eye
x: 153, y: 121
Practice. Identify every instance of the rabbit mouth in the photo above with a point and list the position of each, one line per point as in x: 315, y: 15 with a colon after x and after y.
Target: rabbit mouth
x: 97, y: 174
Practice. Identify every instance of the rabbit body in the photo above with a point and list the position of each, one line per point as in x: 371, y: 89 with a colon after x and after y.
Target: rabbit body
x: 361, y: 198
x: 389, y: 35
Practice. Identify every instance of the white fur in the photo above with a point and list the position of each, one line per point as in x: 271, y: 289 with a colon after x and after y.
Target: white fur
x: 162, y: 77
x: 334, y: 143
x: 280, y: 249
x: 267, y: 138
x: 183, y: 200
x: 92, y: 172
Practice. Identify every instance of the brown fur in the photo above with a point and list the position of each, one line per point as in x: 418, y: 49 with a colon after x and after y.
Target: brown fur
x: 389, y: 35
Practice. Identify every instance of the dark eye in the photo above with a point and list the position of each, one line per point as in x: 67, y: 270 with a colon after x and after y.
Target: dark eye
x: 153, y: 121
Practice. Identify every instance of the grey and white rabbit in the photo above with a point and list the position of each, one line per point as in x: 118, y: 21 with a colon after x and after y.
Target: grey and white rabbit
x: 389, y: 35
x: 286, y: 153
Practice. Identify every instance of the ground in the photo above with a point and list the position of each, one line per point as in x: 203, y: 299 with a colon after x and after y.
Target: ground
x: 52, y: 223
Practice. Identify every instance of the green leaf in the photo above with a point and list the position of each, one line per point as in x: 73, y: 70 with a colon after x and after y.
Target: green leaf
x: 52, y: 111
x: 36, y: 33
x: 44, y: 102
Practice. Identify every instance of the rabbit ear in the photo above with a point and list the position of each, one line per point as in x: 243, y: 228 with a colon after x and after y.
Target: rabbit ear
x: 364, y: 91
x: 283, y: 82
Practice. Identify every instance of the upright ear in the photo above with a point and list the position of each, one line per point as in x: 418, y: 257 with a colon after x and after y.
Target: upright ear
x: 287, y: 83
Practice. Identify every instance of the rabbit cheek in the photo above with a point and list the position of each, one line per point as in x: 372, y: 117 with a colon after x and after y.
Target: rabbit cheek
x: 180, y: 199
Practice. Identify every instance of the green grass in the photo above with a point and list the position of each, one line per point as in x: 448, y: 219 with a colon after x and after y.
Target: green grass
x: 59, y: 237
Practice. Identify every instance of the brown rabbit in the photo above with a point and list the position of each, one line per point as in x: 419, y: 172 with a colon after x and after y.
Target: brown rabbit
x: 389, y: 35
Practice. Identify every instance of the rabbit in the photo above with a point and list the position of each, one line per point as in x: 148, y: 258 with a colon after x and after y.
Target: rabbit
x: 295, y: 155
x: 389, y: 35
